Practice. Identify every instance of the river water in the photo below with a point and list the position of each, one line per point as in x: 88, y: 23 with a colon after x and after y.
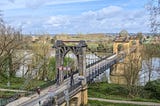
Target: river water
x: 143, y: 74
x: 155, y: 71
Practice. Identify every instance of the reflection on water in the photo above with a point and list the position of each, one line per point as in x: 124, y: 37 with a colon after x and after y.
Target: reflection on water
x: 107, y: 75
x: 155, y: 73
x: 143, y: 75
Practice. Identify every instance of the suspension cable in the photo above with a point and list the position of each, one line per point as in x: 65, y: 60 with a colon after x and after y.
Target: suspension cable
x: 93, y: 52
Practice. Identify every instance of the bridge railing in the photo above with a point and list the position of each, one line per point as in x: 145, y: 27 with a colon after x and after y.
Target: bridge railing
x: 75, y: 86
x: 67, y: 76
x: 92, y: 64
x: 5, y: 101
x: 70, y: 89
x: 94, y: 73
x: 60, y: 97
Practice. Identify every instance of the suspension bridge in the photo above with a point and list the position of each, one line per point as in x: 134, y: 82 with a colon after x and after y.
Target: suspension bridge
x: 71, y: 90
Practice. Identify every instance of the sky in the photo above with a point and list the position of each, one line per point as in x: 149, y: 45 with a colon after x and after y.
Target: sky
x: 76, y: 16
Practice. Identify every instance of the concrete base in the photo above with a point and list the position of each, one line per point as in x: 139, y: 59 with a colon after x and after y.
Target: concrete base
x: 84, y: 96
x: 74, y: 102
x: 80, y: 99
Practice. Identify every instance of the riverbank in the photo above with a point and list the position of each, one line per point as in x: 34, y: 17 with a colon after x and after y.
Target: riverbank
x: 120, y: 92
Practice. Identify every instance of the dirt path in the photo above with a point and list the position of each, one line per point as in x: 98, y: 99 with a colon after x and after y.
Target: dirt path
x: 127, y: 102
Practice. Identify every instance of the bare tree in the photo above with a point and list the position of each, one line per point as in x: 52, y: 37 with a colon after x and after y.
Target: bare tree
x: 41, y: 50
x: 149, y: 52
x: 10, y: 42
x: 132, y: 67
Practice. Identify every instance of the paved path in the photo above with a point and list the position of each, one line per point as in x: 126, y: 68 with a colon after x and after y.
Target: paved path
x: 13, y: 90
x: 126, y: 102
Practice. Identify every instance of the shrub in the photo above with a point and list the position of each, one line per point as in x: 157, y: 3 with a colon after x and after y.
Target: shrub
x: 153, y: 88
x: 114, y: 89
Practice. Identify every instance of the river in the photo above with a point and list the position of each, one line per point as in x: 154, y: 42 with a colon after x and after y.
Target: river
x: 143, y: 74
x: 155, y: 71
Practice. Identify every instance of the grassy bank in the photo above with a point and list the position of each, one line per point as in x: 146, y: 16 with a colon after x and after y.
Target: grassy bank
x: 117, y: 92
x: 20, y: 83
x: 6, y: 94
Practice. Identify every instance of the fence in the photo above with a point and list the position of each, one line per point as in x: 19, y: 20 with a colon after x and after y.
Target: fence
x: 3, y: 102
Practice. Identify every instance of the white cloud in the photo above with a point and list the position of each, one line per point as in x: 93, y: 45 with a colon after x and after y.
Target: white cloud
x: 66, y: 1
x: 12, y: 4
x: 103, y: 13
x: 17, y: 4
x: 109, y: 19
x: 54, y: 2
x: 58, y: 21
x: 12, y: 1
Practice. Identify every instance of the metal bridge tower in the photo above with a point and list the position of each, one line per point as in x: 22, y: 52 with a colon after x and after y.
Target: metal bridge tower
x: 80, y: 52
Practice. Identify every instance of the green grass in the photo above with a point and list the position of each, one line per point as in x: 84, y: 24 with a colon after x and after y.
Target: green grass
x: 15, y: 83
x: 18, y: 83
x: 6, y: 94
x: 3, y: 102
x: 34, y: 84
x: 113, y: 91
x: 100, y: 90
x: 100, y: 103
